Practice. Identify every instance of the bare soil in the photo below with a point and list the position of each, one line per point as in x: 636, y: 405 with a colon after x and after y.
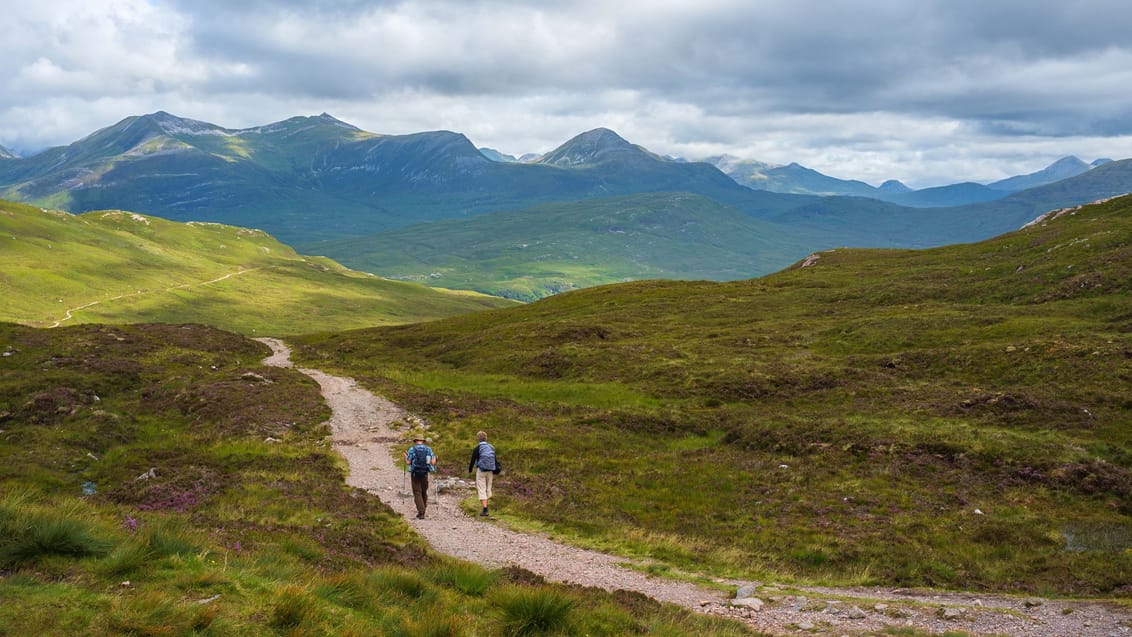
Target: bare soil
x: 370, y: 433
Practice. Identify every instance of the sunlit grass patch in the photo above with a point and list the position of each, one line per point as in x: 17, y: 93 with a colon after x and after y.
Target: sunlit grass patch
x: 470, y: 579
x: 156, y: 613
x: 522, y: 389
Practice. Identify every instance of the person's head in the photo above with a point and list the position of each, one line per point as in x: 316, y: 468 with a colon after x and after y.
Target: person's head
x: 419, y: 440
x: 481, y: 436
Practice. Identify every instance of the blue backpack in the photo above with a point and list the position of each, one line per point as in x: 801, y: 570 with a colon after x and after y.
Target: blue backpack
x: 487, y: 457
x: 419, y: 456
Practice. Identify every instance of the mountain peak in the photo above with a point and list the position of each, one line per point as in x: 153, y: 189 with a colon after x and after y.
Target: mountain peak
x: 1063, y: 168
x: 7, y: 154
x: 592, y: 147
x: 1069, y: 161
x: 172, y: 125
x: 894, y: 185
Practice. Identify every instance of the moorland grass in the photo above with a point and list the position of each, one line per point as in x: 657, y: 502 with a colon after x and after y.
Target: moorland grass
x: 141, y: 497
x: 946, y: 417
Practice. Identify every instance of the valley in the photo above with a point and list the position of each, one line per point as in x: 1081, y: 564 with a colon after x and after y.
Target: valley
x: 431, y: 207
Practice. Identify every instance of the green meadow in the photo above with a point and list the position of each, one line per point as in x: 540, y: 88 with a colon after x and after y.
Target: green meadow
x: 121, y: 267
x: 955, y: 417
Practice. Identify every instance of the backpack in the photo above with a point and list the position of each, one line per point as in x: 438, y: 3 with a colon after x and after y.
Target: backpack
x: 487, y: 457
x: 419, y: 459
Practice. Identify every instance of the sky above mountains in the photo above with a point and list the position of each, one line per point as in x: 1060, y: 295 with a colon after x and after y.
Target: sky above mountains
x: 929, y: 92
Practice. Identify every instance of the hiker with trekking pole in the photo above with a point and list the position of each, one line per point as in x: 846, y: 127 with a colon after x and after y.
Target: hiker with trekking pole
x: 420, y: 461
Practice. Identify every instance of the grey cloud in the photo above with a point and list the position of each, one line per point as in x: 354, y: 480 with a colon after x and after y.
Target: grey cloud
x: 868, y: 78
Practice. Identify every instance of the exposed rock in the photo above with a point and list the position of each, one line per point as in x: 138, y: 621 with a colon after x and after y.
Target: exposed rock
x: 747, y: 590
x: 950, y: 614
x: 748, y: 602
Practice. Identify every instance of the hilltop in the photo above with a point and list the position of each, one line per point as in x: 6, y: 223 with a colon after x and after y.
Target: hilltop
x: 950, y: 417
x: 117, y: 267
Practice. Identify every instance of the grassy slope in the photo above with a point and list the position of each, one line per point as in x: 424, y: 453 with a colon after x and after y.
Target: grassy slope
x: 841, y: 421
x: 535, y: 252
x: 137, y: 268
x: 244, y: 526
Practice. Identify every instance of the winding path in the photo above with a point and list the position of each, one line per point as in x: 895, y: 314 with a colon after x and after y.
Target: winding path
x: 69, y: 314
x: 367, y: 431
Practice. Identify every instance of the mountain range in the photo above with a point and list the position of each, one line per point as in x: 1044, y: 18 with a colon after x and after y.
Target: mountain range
x: 324, y: 185
x: 311, y: 178
x: 797, y: 179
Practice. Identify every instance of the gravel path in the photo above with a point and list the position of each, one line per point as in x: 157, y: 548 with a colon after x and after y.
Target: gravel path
x: 369, y: 433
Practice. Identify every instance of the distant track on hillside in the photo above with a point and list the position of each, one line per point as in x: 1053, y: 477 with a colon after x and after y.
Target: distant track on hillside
x: 69, y: 314
x: 369, y: 432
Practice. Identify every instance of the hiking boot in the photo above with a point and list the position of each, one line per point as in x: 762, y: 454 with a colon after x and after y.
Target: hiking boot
x: 484, y: 512
x: 420, y: 516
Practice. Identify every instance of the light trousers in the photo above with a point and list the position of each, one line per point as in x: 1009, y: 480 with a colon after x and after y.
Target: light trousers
x: 483, y: 483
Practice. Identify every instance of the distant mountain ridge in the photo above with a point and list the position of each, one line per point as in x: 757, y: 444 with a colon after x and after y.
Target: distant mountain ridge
x: 7, y: 154
x: 797, y: 179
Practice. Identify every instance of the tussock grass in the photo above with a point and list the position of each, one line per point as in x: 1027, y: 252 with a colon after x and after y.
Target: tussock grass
x: 469, y: 579
x: 156, y: 614
x: 31, y: 532
x: 533, y: 611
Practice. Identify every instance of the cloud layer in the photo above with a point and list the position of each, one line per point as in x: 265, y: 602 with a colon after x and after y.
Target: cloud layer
x: 928, y: 92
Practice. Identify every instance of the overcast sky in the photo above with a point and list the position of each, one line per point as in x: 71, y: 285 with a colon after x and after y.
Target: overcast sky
x: 925, y: 91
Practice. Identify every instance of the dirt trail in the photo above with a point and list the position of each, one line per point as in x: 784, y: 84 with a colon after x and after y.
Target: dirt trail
x: 369, y: 433
x: 69, y: 314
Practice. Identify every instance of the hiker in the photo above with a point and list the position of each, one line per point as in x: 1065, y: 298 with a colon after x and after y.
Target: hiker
x: 483, y: 459
x: 420, y: 461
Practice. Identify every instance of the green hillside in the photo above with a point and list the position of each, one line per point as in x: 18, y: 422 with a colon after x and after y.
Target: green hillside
x: 535, y: 252
x: 117, y: 267
x: 158, y: 480
x: 951, y: 417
